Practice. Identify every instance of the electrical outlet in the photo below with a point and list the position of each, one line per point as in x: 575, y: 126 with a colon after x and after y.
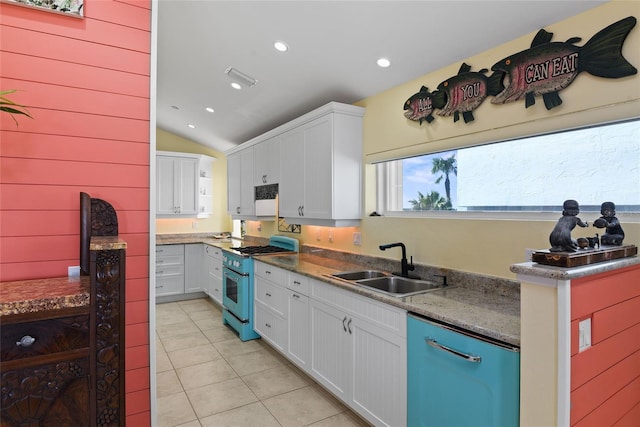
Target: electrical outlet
x: 318, y: 236
x: 194, y: 224
x: 357, y: 239
x: 330, y: 236
x: 584, y: 334
x: 259, y: 226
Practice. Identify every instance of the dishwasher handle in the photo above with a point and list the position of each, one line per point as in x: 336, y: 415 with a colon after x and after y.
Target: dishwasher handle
x: 465, y: 356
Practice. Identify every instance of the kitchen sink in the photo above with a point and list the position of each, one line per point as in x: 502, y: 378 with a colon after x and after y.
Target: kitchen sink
x: 398, y: 286
x: 359, y: 275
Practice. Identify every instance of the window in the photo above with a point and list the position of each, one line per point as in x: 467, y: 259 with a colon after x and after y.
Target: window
x: 534, y: 174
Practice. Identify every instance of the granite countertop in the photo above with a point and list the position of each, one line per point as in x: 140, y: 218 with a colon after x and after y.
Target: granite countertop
x: 30, y: 296
x: 221, y: 241
x: 562, y: 273
x: 492, y: 314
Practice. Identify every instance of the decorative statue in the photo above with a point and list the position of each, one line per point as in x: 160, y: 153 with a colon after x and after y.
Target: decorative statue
x: 560, y: 237
x: 613, y: 234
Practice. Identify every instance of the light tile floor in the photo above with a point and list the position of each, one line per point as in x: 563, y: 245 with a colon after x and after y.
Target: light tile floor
x: 207, y: 377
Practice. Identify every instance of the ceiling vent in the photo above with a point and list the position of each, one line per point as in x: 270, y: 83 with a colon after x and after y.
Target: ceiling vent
x: 240, y: 77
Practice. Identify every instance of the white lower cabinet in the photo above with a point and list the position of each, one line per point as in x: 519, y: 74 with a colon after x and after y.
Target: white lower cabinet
x: 193, y: 277
x: 354, y: 346
x: 299, y: 337
x: 359, y: 351
x: 213, y: 272
x: 169, y: 270
x: 270, y: 305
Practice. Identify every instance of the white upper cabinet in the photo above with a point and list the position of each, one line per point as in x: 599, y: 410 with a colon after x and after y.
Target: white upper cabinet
x: 240, y: 197
x: 316, y: 160
x: 267, y: 162
x: 322, y: 181
x: 182, y: 190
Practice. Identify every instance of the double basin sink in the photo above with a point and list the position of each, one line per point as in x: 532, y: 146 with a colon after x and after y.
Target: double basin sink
x: 387, y: 284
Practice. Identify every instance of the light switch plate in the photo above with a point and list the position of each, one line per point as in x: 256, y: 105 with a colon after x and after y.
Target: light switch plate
x: 584, y: 334
x: 357, y: 239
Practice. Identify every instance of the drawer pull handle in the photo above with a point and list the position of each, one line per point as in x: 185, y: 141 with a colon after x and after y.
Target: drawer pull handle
x: 26, y: 341
x: 344, y: 324
x: 267, y: 272
x: 268, y: 294
x: 296, y: 296
x: 267, y: 325
x: 467, y: 357
x: 349, y: 326
x: 295, y: 282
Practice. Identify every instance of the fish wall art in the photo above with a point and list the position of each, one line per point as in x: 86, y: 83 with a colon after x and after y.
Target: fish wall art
x: 467, y: 90
x: 542, y: 70
x: 420, y: 105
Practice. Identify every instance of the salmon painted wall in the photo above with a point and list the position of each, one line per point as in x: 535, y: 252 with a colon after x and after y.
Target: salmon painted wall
x: 605, y: 378
x: 86, y: 84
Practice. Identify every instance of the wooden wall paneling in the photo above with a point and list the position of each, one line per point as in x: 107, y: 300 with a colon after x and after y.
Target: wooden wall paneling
x: 61, y: 172
x: 65, y: 147
x: 137, y: 379
x: 60, y: 48
x: 83, y: 125
x: 137, y: 267
x: 28, y: 68
x: 137, y: 243
x: 137, y: 403
x: 589, y: 296
x: 39, y: 248
x: 25, y: 197
x: 137, y: 289
x: 615, y: 319
x: 134, y: 14
x: 595, y: 392
x: 79, y: 100
x: 630, y: 419
x: 597, y: 359
x: 137, y: 357
x: 35, y: 269
x: 39, y: 223
x: 91, y: 28
x: 575, y: 338
x: 136, y: 312
x: 613, y: 409
x: 137, y: 334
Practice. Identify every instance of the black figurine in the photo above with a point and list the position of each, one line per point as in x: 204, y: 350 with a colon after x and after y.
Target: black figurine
x: 613, y: 234
x: 560, y: 237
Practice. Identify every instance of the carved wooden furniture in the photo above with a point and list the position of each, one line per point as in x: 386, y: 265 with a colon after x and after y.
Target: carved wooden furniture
x: 62, y: 351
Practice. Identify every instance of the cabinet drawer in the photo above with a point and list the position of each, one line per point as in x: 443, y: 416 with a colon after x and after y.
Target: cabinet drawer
x: 167, y: 270
x: 270, y: 272
x: 44, y: 337
x: 169, y: 260
x: 298, y: 283
x: 271, y: 295
x: 213, y: 251
x: 270, y: 326
x: 163, y: 250
x: 169, y: 285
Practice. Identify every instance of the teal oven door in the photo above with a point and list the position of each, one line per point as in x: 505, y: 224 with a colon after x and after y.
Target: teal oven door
x: 457, y: 379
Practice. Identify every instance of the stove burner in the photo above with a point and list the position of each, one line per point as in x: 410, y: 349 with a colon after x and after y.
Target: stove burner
x: 255, y: 250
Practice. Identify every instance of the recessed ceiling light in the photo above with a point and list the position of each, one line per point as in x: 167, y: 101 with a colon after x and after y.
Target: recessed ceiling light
x: 191, y: 126
x: 175, y: 107
x: 209, y: 109
x: 383, y: 62
x: 236, y: 86
x: 281, y: 46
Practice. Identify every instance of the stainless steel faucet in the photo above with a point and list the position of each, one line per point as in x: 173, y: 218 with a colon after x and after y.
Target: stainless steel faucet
x: 405, y: 266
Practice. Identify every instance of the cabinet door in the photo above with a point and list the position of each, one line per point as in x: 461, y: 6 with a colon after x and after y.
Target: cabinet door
x: 267, y: 162
x: 188, y: 186
x: 193, y: 258
x: 234, y: 171
x: 291, y: 187
x: 330, y: 349
x: 166, y: 181
x: 299, y: 340
x: 213, y: 273
x: 270, y: 326
x: 318, y: 169
x: 240, y: 197
x: 379, y: 374
x: 177, y: 180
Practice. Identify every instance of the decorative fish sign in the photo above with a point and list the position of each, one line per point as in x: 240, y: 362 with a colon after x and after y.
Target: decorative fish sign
x: 421, y: 104
x: 546, y: 68
x: 467, y: 90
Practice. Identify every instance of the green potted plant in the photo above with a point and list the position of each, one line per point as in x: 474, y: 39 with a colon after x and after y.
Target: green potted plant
x: 8, y: 106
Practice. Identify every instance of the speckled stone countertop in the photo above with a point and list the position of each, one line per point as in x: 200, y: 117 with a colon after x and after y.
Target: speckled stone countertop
x: 561, y: 273
x: 30, y: 296
x: 491, y: 311
x: 221, y: 241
